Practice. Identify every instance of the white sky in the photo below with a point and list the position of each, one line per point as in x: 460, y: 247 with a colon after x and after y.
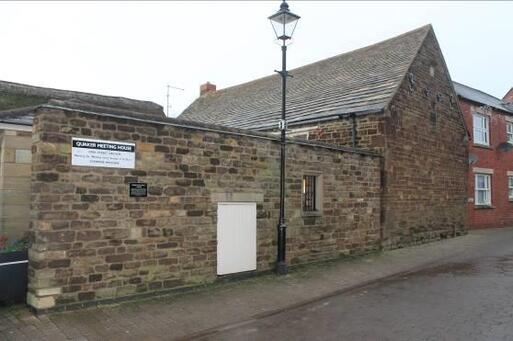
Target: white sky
x: 133, y: 49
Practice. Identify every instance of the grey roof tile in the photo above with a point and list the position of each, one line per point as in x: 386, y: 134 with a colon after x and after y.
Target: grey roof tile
x: 482, y: 97
x: 32, y: 95
x: 363, y: 80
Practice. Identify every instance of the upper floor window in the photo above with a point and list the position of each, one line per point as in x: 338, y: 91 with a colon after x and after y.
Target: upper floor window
x: 481, y: 129
x: 509, y: 131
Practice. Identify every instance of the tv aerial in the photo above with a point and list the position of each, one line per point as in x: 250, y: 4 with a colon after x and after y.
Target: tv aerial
x: 168, y: 103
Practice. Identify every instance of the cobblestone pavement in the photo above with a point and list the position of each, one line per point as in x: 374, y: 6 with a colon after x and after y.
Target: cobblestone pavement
x: 458, y: 288
x: 465, y: 298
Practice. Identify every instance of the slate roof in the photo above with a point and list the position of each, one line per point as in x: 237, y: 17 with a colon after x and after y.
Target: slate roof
x: 18, y: 99
x: 360, y: 81
x: 479, y: 96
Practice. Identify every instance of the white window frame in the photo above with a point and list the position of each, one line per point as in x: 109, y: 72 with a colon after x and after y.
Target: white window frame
x: 509, y: 132
x: 487, y: 189
x: 481, y: 124
x: 510, y: 187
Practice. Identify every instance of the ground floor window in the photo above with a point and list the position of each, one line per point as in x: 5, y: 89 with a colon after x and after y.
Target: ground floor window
x: 483, y: 189
x: 310, y: 193
x: 510, y: 187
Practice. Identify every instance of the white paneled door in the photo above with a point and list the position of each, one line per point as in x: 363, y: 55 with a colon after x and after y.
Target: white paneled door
x: 236, y: 237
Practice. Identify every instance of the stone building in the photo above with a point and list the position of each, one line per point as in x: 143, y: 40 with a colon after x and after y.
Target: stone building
x: 16, y: 143
x: 395, y: 98
x: 490, y: 179
x: 124, y: 201
x: 92, y: 241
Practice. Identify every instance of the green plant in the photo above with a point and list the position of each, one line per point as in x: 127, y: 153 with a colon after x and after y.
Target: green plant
x: 18, y: 245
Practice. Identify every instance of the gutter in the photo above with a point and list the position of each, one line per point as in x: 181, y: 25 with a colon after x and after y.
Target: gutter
x: 15, y: 126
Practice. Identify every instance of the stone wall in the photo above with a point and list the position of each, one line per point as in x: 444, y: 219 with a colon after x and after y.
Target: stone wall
x: 426, y: 157
x: 369, y: 132
x: 92, y: 241
x: 423, y: 140
x: 15, y: 172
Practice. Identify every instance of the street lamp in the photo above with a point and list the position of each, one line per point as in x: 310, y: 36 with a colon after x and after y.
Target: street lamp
x: 284, y: 23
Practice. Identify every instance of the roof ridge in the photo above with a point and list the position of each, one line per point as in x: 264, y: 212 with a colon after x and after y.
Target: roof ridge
x: 425, y: 27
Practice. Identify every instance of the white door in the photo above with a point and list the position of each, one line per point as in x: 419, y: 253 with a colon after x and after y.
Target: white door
x: 236, y: 237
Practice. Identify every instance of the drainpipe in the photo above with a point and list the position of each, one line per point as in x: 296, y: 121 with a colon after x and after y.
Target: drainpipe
x: 353, y: 129
x: 382, y: 203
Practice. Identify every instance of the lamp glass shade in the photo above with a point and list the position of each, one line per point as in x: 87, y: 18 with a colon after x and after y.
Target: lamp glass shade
x: 284, y: 23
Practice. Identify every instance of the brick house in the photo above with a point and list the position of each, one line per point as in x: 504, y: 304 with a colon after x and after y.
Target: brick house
x: 396, y: 98
x: 379, y: 160
x: 490, y: 182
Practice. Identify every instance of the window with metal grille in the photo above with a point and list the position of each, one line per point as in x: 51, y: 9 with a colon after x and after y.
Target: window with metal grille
x: 309, y: 193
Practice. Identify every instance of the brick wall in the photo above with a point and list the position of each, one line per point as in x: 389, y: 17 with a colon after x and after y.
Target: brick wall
x: 92, y: 241
x: 15, y: 159
x: 500, y: 213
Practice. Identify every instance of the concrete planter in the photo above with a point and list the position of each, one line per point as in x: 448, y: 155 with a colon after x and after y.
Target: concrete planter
x: 13, y: 277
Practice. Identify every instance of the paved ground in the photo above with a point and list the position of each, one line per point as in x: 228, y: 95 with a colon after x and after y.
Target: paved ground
x: 469, y: 297
x: 457, y: 289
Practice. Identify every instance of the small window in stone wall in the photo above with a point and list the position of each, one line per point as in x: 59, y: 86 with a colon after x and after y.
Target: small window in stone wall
x: 23, y: 156
x: 310, y: 194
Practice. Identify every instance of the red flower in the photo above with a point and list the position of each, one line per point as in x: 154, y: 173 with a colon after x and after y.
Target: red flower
x: 3, y: 241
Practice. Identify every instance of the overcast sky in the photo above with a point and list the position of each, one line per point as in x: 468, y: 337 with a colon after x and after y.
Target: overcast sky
x: 134, y: 49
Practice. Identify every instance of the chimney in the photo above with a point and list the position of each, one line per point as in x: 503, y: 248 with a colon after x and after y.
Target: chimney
x: 206, y: 88
x: 508, y: 97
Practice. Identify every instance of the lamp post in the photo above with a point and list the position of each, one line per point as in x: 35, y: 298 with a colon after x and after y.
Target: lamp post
x: 284, y: 23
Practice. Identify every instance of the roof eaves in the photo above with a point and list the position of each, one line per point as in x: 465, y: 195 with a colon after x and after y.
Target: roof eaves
x: 505, y: 107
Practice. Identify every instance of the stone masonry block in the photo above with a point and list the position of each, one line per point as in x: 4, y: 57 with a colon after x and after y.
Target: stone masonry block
x: 40, y: 302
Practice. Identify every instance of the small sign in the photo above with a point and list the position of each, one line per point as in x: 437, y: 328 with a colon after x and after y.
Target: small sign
x: 138, y: 189
x: 100, y: 153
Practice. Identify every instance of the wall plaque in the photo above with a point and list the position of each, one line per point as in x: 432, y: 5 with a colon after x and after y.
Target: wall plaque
x: 100, y: 153
x: 138, y: 189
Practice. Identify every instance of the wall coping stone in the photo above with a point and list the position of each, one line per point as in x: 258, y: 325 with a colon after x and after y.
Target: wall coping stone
x: 215, y: 129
